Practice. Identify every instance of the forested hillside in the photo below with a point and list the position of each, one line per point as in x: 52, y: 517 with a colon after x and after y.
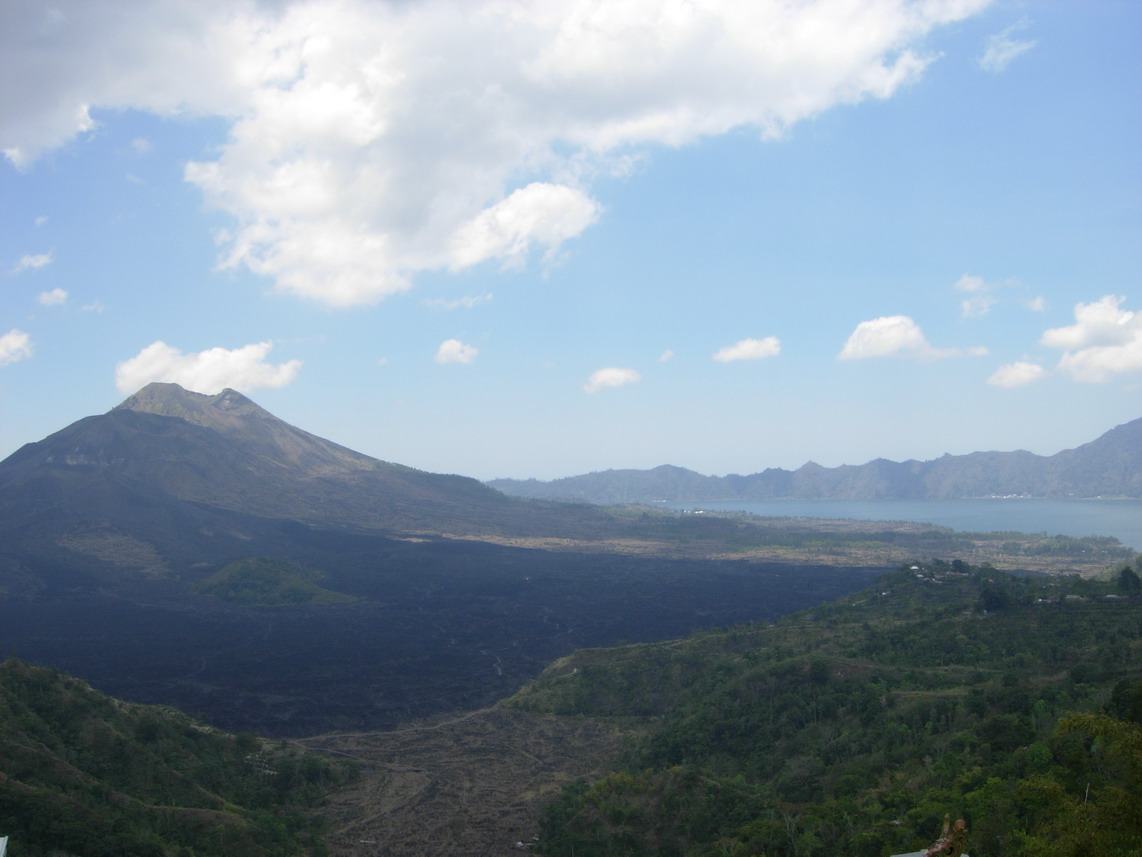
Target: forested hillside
x: 853, y: 728
x: 85, y: 775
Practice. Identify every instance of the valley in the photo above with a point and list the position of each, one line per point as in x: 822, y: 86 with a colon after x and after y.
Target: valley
x: 850, y: 727
x: 469, y: 785
x: 196, y: 553
x: 435, y: 626
x: 437, y: 593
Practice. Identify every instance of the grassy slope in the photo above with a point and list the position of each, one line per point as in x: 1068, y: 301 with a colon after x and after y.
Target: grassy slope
x: 854, y: 727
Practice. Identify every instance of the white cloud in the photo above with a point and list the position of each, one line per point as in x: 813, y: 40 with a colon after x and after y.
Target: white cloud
x: 1036, y: 304
x: 466, y: 302
x: 142, y: 146
x: 1100, y: 322
x: 370, y: 141
x: 977, y: 306
x: 545, y: 213
x: 95, y: 306
x: 665, y: 356
x: 749, y: 349
x: 1104, y: 341
x: 15, y: 345
x: 611, y: 377
x: 1017, y: 374
x: 41, y: 220
x: 32, y: 262
x: 209, y: 371
x: 1002, y: 48
x: 887, y: 336
x: 73, y: 56
x: 55, y: 297
x: 897, y: 336
x: 455, y: 351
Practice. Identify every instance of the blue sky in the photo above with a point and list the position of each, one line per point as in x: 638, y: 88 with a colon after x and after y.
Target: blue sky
x: 534, y: 239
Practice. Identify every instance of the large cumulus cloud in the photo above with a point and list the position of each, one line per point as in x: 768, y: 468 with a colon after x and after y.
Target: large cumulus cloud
x: 369, y: 141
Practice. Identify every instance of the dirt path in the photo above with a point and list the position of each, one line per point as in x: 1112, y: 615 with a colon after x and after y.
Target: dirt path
x: 469, y: 786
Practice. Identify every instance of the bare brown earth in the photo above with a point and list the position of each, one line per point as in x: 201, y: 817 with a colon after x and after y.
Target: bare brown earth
x: 470, y: 785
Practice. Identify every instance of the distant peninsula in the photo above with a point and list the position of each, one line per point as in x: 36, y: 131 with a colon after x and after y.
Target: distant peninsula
x: 1110, y: 466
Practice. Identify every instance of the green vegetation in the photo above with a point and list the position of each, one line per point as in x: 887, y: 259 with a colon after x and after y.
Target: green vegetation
x: 268, y: 583
x: 854, y: 727
x: 85, y: 775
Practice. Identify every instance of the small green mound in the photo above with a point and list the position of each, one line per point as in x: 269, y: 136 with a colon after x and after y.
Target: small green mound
x: 269, y: 583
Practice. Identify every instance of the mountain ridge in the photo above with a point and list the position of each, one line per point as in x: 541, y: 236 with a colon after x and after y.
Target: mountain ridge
x: 1110, y: 465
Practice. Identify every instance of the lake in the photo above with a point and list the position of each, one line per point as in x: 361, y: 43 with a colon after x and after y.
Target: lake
x: 1121, y: 519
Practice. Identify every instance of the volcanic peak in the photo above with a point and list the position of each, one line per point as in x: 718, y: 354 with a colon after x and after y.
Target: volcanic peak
x: 171, y: 400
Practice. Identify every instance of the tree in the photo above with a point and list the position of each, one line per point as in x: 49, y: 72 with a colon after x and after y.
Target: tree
x: 1102, y: 820
x: 1128, y: 581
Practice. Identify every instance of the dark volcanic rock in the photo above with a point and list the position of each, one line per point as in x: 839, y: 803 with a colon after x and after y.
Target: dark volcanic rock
x: 107, y: 525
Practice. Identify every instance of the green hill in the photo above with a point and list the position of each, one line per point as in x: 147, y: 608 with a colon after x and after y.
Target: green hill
x: 85, y: 775
x: 270, y: 583
x: 853, y: 728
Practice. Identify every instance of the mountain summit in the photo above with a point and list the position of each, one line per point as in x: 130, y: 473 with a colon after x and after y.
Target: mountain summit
x: 171, y: 400
x: 169, y: 453
x: 236, y: 417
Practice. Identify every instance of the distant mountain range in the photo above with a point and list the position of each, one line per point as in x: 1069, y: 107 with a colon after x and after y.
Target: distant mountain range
x: 1110, y: 466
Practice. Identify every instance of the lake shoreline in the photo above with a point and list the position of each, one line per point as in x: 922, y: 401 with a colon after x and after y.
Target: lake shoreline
x: 1119, y: 518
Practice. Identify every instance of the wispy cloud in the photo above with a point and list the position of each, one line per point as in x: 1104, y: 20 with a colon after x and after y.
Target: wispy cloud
x: 209, y: 371
x: 604, y: 379
x: 749, y: 349
x: 15, y: 345
x: 32, y: 262
x: 1002, y: 48
x: 466, y: 302
x: 980, y: 300
x: 897, y: 336
x: 455, y: 351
